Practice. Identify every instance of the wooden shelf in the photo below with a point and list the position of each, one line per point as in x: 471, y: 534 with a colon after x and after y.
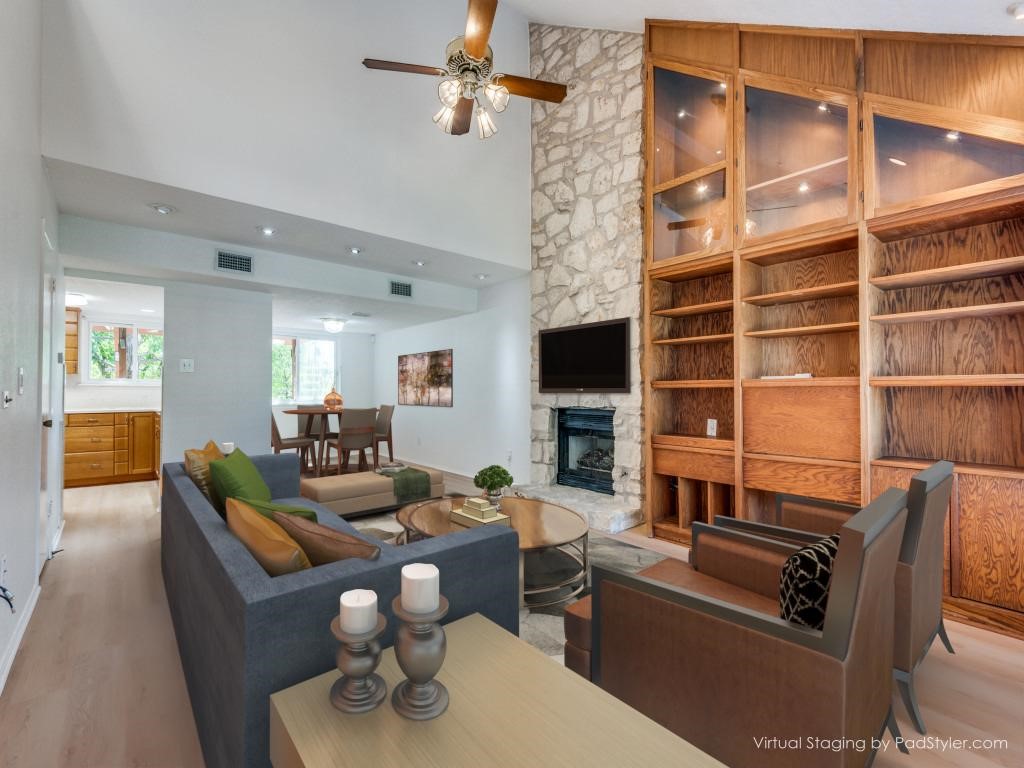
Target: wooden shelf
x: 694, y: 441
x: 837, y: 463
x: 663, y: 529
x: 804, y: 294
x: 807, y: 330
x: 971, y: 271
x: 709, y: 308
x: 705, y: 266
x: 717, y: 338
x: 992, y: 470
x: 950, y: 214
x: 952, y: 380
x: 693, y: 384
x: 788, y: 183
x: 952, y: 313
x: 821, y: 381
x: 686, y: 178
x: 804, y: 247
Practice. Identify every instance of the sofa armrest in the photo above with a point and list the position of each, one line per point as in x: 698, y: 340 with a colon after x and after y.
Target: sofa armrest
x: 280, y: 471
x: 818, y: 516
x: 744, y: 560
x: 767, y: 531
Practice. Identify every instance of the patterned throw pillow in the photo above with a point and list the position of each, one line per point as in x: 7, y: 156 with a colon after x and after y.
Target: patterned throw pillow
x: 197, y: 465
x: 806, y: 577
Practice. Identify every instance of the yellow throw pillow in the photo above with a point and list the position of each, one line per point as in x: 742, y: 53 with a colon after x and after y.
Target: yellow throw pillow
x: 197, y: 465
x: 274, y: 549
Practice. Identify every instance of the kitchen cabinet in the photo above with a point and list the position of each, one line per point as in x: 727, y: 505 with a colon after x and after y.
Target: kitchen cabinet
x: 105, y: 448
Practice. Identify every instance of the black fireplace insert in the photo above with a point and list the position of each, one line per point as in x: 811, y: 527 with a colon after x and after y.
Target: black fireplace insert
x: 586, y: 448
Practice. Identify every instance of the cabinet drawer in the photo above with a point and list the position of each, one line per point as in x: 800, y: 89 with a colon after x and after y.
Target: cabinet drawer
x: 87, y: 466
x: 834, y: 482
x: 819, y: 422
x: 90, y: 419
x: 88, y: 439
x: 697, y: 465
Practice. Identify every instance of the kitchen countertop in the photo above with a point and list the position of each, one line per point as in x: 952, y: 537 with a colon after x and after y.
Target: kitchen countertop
x: 111, y: 410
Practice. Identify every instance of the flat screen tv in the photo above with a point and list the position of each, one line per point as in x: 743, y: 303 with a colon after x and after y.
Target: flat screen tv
x: 585, y: 358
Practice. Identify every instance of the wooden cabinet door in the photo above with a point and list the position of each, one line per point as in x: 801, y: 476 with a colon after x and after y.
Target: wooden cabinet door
x: 142, y: 430
x: 988, y: 543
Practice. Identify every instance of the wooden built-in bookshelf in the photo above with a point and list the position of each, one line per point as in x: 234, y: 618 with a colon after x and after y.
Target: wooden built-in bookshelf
x: 862, y: 225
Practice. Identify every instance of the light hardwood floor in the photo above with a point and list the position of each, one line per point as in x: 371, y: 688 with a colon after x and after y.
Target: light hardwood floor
x: 98, y: 683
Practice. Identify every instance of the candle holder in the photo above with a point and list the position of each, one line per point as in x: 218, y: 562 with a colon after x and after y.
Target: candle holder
x: 420, y: 647
x: 358, y: 689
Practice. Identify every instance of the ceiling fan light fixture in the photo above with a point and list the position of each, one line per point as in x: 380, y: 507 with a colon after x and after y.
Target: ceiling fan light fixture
x: 485, y: 123
x: 444, y: 119
x: 498, y: 95
x: 332, y: 324
x: 449, y: 91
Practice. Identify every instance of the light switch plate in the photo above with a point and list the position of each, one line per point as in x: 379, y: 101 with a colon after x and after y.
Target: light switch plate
x: 186, y: 365
x: 21, y: 381
x: 712, y: 427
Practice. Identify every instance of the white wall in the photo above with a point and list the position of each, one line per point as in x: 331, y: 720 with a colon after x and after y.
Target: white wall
x: 20, y: 285
x: 227, y: 333
x: 491, y: 386
x: 267, y: 102
x: 355, y: 373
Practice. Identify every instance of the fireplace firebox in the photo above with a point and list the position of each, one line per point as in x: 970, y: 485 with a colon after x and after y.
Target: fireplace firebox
x: 586, y: 449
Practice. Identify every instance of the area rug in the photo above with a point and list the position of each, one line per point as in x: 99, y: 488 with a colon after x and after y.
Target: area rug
x: 542, y: 627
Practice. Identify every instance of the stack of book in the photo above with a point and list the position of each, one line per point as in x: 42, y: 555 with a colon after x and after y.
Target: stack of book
x: 476, y: 511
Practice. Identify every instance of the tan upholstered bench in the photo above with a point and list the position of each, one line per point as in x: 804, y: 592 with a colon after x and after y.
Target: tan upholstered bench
x: 360, y: 493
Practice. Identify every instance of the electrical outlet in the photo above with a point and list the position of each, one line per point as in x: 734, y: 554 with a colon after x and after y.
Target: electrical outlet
x: 509, y: 458
x: 712, y: 427
x: 186, y: 365
x: 3, y: 569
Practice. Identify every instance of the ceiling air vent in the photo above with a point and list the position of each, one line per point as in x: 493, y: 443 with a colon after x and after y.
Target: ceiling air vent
x: 401, y: 289
x: 234, y: 262
x: 360, y: 314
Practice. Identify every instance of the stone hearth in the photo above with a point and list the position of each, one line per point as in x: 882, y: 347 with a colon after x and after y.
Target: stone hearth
x: 603, y: 512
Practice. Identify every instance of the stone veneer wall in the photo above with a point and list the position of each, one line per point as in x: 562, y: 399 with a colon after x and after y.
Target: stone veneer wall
x: 587, y: 246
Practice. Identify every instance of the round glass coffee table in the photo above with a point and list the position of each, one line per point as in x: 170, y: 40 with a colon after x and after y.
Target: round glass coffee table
x: 553, y: 538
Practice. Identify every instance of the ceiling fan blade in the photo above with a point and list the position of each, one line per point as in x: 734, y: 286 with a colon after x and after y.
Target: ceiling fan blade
x: 463, y: 117
x: 397, y: 66
x: 533, y: 89
x: 479, y: 20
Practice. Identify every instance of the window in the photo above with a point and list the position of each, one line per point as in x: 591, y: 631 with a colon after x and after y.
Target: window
x: 303, y: 370
x: 121, y: 352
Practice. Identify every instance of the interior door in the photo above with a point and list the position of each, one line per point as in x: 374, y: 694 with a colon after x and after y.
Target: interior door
x: 46, y: 418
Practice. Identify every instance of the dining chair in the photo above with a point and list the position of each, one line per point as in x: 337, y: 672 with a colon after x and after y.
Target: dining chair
x: 356, y: 433
x: 382, y: 433
x: 301, y: 444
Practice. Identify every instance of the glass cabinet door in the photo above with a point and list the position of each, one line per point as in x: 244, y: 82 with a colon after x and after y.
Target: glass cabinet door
x: 689, y: 137
x: 913, y: 161
x: 689, y: 124
x: 797, y: 162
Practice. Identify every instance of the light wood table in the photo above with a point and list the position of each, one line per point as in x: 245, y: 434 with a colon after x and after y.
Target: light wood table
x: 510, y: 706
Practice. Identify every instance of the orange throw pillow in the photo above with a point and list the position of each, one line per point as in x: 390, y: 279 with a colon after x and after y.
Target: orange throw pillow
x: 197, y: 465
x: 274, y: 549
x: 322, y: 544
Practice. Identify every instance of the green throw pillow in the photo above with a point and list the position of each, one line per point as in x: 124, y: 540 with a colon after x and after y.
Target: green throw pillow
x: 236, y: 477
x: 268, y: 508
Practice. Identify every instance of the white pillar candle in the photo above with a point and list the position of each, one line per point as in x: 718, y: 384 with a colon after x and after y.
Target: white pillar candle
x: 227, y: 448
x: 421, y: 588
x: 358, y: 611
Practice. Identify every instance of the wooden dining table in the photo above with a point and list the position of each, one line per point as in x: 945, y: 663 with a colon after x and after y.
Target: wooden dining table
x: 325, y: 413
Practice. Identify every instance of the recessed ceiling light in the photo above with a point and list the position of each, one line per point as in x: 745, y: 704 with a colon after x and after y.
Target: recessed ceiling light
x: 1017, y: 11
x: 148, y: 311
x: 822, y: 107
x: 481, y: 276
x: 75, y: 300
x: 163, y: 209
x: 804, y: 187
x: 681, y: 113
x: 722, y: 85
x: 355, y: 250
x: 332, y: 324
x: 702, y: 188
x: 953, y: 136
x: 419, y: 263
x: 267, y: 231
x: 897, y: 161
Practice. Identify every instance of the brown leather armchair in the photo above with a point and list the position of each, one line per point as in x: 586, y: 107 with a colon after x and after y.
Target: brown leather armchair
x: 742, y: 684
x: 918, y: 572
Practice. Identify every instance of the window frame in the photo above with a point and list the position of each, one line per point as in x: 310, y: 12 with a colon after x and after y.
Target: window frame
x: 85, y: 352
x: 295, y: 337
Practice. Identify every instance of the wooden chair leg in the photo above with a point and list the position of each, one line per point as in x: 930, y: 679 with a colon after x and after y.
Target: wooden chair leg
x: 391, y: 450
x: 376, y: 455
x: 905, y: 682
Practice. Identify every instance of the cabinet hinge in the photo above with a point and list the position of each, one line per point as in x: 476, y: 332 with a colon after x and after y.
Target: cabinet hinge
x: 860, y: 125
x: 861, y: 195
x: 735, y: 229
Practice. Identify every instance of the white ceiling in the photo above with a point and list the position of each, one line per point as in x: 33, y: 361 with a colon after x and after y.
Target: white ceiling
x: 118, y: 300
x: 97, y: 194
x: 982, y: 17
x: 298, y: 310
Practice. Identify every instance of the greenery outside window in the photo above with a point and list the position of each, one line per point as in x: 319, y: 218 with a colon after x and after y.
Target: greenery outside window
x: 302, y: 370
x: 125, y: 353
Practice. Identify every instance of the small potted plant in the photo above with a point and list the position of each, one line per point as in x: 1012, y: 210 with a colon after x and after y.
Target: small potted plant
x: 492, y: 479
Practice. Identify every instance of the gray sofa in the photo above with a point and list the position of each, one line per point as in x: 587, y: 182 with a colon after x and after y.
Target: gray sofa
x: 243, y: 635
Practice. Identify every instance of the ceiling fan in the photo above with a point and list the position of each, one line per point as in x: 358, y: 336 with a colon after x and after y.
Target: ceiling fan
x: 468, y: 76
